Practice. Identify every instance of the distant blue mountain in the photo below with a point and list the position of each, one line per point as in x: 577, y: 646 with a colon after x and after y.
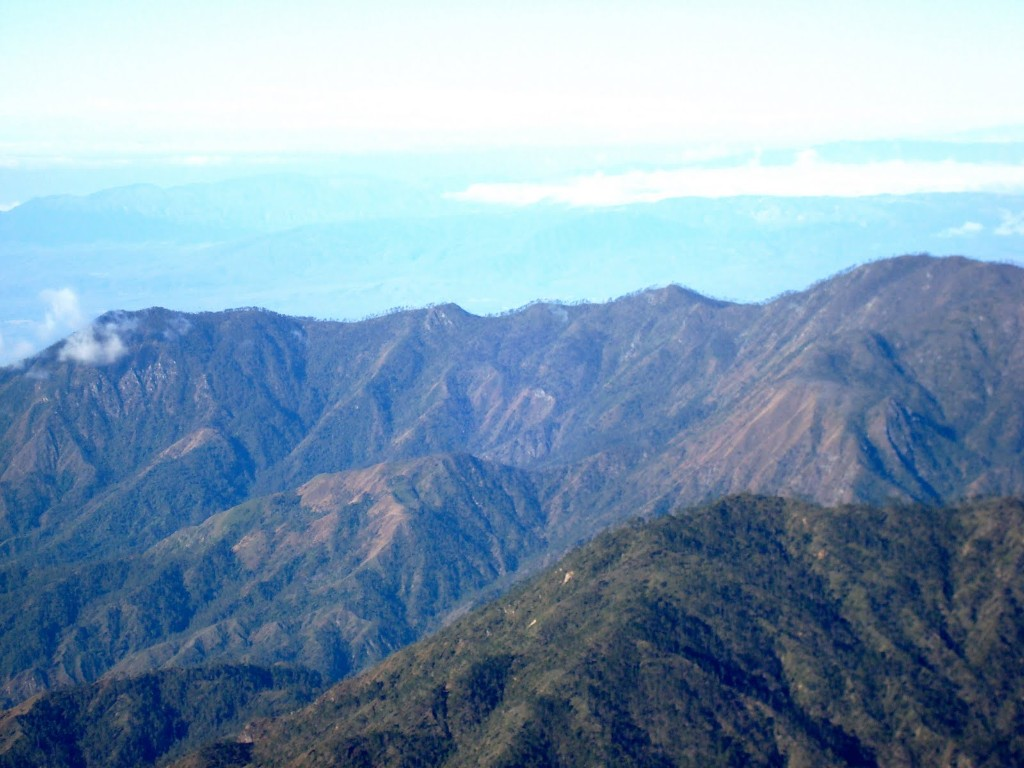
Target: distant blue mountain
x: 204, y: 212
x: 350, y: 247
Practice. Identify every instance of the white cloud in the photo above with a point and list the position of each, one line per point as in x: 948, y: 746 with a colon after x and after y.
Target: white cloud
x: 967, y: 228
x: 1013, y: 224
x: 807, y: 177
x: 12, y: 352
x: 94, y: 346
x: 63, y: 312
x: 178, y: 325
x: 5, y: 207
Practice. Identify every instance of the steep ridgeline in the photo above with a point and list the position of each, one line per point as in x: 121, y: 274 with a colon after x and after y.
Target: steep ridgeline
x: 246, y: 486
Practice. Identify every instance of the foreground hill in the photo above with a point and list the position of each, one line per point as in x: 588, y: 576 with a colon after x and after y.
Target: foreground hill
x: 751, y: 631
x: 139, y: 721
x: 243, y: 486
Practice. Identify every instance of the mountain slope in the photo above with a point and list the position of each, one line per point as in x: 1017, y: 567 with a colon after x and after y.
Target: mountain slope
x: 332, y: 576
x: 147, y: 464
x: 750, y: 631
x: 913, y: 355
x: 899, y: 370
x: 142, y: 720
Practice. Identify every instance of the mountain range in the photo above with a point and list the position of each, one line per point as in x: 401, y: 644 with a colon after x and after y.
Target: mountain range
x: 351, y: 245
x: 243, y: 487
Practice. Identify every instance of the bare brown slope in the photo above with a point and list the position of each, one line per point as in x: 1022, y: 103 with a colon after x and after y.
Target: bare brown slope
x: 895, y: 380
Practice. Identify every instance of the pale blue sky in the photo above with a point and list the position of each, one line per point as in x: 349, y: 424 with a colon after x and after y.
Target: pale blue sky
x: 114, y: 76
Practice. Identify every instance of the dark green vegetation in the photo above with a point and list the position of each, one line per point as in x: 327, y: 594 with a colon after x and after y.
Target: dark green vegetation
x: 346, y: 570
x: 242, y: 487
x: 752, y: 631
x: 148, y: 719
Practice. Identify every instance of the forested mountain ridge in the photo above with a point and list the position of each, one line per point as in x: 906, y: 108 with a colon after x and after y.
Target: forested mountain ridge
x: 157, y: 494
x: 749, y: 631
x: 752, y: 631
x: 147, y: 719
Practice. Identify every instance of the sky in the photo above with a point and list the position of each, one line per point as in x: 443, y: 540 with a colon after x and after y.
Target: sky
x: 514, y: 104
x: 119, y: 77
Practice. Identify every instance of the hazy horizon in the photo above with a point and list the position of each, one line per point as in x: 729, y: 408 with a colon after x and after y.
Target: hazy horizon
x: 601, y: 113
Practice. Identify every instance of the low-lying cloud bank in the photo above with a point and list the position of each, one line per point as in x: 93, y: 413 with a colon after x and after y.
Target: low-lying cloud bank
x: 807, y: 177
